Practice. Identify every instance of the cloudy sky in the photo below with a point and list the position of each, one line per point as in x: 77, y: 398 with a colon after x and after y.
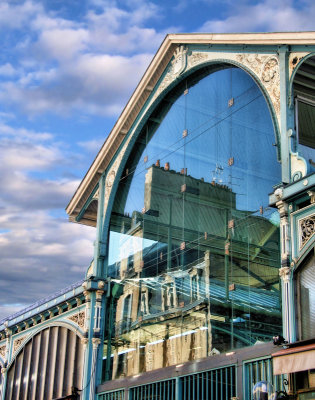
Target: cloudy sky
x: 67, y: 67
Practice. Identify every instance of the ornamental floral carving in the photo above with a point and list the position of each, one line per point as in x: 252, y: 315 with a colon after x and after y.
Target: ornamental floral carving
x: 177, y: 67
x: 253, y: 61
x: 197, y: 58
x: 266, y: 67
x: 307, y: 230
x: 2, y: 351
x: 17, y: 343
x: 78, y: 319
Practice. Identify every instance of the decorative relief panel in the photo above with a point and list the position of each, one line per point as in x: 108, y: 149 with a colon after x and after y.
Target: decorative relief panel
x: 264, y: 66
x: 17, y: 343
x: 110, y: 178
x: 78, y: 319
x: 306, y: 230
x: 2, y: 351
x: 294, y: 59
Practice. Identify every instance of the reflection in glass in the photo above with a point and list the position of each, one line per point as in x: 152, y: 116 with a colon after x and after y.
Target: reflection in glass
x: 192, y: 239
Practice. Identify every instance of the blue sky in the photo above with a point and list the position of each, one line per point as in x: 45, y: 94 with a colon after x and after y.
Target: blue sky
x: 67, y: 69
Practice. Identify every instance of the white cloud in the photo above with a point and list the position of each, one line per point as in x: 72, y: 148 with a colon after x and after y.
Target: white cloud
x: 40, y: 251
x: 91, y: 65
x: 92, y: 145
x: 7, y: 70
x: 96, y: 84
x: 15, y: 16
x: 61, y: 44
x: 267, y: 15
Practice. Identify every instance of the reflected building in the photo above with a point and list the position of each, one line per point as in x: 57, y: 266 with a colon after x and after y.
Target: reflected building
x: 203, y: 199
x: 186, y: 296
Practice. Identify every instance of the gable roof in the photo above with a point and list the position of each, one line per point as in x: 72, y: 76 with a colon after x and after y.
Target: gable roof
x: 148, y: 83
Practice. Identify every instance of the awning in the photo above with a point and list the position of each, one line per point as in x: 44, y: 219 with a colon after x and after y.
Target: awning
x: 294, y: 359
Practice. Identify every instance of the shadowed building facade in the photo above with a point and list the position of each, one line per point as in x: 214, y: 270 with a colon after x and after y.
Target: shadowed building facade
x: 202, y: 197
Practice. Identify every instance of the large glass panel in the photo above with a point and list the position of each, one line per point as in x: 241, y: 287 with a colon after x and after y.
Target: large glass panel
x: 192, y: 239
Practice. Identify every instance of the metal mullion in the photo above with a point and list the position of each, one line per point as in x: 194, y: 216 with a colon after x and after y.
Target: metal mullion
x: 250, y: 379
x: 43, y: 356
x: 216, y: 385
x: 37, y: 339
x: 202, y: 384
x: 232, y: 380
x: 227, y: 384
x: 29, y: 345
x: 69, y: 363
x: 54, y: 366
x: 20, y: 360
x: 207, y: 384
x: 256, y: 372
x: 60, y: 361
x: 263, y: 371
x: 49, y: 383
x: 10, y: 384
x: 221, y: 383
x: 163, y: 390
x: 211, y: 384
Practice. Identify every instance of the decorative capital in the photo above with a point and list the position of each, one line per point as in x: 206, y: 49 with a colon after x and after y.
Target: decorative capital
x: 99, y: 294
x: 8, y: 332
x: 283, y: 208
x: 84, y: 341
x: 87, y: 295
x: 96, y: 342
x: 101, y: 284
x: 4, y: 370
x: 285, y: 273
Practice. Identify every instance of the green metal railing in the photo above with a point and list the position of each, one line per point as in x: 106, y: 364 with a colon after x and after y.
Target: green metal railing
x: 259, y: 370
x: 116, y: 395
x: 163, y: 390
x: 216, y: 384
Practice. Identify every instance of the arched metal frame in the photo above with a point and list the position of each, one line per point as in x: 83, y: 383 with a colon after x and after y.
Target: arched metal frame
x: 48, y: 364
x: 135, y: 130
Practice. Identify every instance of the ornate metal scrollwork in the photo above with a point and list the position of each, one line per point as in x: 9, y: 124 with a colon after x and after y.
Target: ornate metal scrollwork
x: 307, y: 230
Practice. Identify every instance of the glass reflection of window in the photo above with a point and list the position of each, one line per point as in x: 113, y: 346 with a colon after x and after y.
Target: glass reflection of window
x: 195, y: 198
x: 194, y: 289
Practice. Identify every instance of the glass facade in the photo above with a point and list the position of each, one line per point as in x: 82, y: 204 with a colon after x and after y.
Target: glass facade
x: 192, y: 240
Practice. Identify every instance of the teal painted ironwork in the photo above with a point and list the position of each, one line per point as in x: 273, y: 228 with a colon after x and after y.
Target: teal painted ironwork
x: 259, y: 370
x: 216, y: 384
x: 116, y: 395
x: 163, y: 390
